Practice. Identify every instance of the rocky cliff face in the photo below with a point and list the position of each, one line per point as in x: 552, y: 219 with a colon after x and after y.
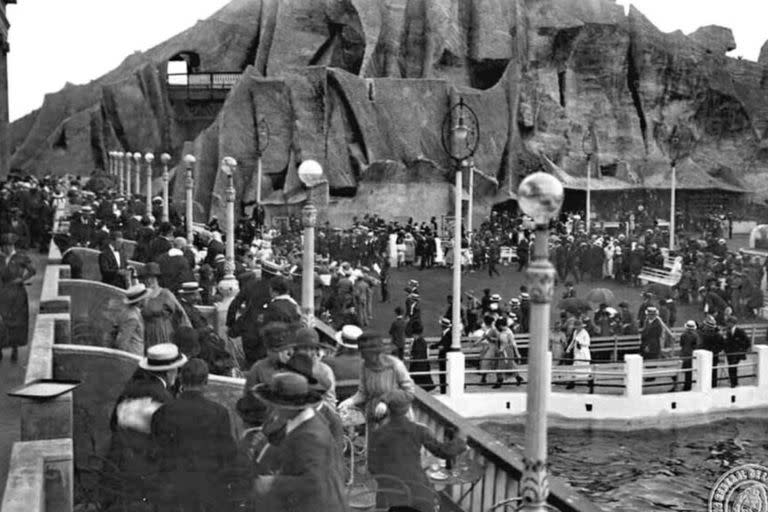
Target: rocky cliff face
x: 362, y: 86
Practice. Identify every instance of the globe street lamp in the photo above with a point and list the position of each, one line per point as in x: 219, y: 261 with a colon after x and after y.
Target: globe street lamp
x: 228, y: 286
x: 127, y: 165
x: 189, y: 185
x: 149, y: 158
x: 540, y: 197
x: 311, y: 174
x: 137, y: 168
x: 165, y: 158
x: 589, y: 145
x: 460, y: 137
x: 262, y: 141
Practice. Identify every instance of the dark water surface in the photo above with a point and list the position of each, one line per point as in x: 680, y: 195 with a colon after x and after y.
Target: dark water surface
x: 649, y: 470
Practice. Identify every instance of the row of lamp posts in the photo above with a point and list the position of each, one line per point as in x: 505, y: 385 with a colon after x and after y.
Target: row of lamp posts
x: 540, y: 197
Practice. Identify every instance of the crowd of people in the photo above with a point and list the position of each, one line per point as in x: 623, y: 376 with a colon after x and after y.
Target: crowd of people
x: 173, y: 447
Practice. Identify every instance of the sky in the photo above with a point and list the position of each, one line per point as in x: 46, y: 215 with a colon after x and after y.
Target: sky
x: 59, y: 41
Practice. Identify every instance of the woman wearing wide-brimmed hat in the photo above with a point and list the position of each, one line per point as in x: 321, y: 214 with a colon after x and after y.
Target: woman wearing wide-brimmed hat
x: 309, y: 475
x: 380, y: 373
x: 15, y: 269
x: 162, y: 312
x: 582, y: 357
x: 130, y: 323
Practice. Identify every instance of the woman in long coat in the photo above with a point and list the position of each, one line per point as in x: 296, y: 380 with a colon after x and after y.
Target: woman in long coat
x: 161, y: 311
x: 15, y: 269
x: 582, y: 357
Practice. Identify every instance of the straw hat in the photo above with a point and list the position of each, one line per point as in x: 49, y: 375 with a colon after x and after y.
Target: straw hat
x: 135, y: 294
x: 710, y: 322
x: 690, y: 324
x: 163, y: 357
x: 190, y: 287
x: 348, y: 336
x: 371, y: 341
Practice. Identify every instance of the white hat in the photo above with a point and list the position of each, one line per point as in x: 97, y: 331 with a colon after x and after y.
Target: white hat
x: 163, y: 357
x: 348, y: 335
x: 690, y: 324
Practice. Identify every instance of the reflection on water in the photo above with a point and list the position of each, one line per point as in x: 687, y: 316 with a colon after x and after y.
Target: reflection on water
x: 649, y: 470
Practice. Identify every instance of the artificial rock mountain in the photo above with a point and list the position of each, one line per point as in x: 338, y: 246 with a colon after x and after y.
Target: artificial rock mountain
x: 362, y: 86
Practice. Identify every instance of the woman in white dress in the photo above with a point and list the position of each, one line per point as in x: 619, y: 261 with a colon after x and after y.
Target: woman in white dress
x: 608, y: 261
x: 582, y: 358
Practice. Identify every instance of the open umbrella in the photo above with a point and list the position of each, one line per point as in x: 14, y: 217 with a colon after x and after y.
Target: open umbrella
x: 574, y: 305
x: 601, y: 296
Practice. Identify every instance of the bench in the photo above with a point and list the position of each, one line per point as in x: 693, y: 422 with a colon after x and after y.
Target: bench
x: 507, y: 255
x: 669, y: 275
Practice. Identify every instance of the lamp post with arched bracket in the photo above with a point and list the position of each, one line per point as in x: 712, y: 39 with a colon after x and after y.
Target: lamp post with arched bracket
x: 460, y: 137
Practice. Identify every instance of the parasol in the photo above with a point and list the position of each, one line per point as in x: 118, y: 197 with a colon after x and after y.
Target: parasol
x: 601, y: 296
x: 574, y: 305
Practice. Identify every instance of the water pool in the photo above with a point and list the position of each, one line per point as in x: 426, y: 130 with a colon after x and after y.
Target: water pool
x: 649, y: 470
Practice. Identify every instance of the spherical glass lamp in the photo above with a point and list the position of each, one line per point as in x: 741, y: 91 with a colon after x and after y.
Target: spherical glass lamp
x: 310, y: 172
x: 540, y: 196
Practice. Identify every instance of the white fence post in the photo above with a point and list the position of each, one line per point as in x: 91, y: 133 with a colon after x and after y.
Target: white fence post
x: 702, y: 369
x: 762, y: 366
x: 455, y: 367
x: 633, y: 375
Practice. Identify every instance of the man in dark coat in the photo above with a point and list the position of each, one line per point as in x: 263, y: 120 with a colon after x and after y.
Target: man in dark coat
x: 69, y: 257
x: 112, y: 260
x: 736, y: 344
x: 132, y: 450
x: 162, y: 243
x: 397, y: 332
x: 650, y: 336
x: 712, y: 340
x: 689, y: 341
x: 243, y: 317
x: 308, y: 475
x: 195, y: 448
x: 443, y: 346
x: 174, y: 266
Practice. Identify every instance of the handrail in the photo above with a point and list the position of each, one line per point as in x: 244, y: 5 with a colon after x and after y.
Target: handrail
x: 505, y: 460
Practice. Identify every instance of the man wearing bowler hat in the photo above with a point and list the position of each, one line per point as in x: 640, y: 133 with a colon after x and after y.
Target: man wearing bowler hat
x: 309, y: 476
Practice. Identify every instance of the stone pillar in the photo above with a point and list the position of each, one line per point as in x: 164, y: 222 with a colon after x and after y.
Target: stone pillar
x: 309, y: 220
x: 455, y: 367
x: 149, y: 158
x: 127, y: 164
x: 137, y: 168
x: 189, y: 185
x: 228, y: 286
x: 165, y: 158
x: 702, y: 371
x: 633, y: 376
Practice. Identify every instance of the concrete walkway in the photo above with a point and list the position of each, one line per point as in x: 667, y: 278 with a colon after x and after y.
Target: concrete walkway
x: 12, y: 375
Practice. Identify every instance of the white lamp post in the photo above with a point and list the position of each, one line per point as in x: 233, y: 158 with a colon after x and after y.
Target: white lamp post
x: 149, y: 158
x: 460, y: 137
x: 165, y: 158
x: 228, y: 286
x: 137, y: 168
x: 540, y: 196
x: 127, y: 162
x: 111, y: 165
x: 679, y: 144
x: 310, y: 173
x: 189, y: 185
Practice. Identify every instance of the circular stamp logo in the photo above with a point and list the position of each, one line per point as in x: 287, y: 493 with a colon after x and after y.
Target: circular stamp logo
x: 741, y: 489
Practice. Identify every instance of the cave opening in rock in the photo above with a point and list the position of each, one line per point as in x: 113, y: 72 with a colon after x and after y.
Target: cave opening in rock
x: 182, y: 64
x: 486, y: 73
x: 561, y: 87
x: 61, y: 140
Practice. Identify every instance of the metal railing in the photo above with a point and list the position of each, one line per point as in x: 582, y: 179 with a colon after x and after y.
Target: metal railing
x: 202, y: 86
x: 502, y: 466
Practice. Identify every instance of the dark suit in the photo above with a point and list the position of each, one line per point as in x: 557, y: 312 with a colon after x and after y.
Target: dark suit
x: 244, y: 315
x: 397, y: 334
x: 196, y: 452
x: 689, y: 341
x: 308, y: 477
x: 110, y: 268
x: 650, y: 340
x: 214, y: 249
x: 174, y: 271
x: 712, y: 340
x: 157, y: 247
x: 75, y: 263
x: 736, y: 343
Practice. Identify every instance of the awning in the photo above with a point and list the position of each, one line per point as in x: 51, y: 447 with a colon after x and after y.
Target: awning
x: 605, y: 183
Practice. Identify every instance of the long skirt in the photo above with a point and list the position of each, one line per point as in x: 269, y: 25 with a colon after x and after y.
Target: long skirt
x: 14, y: 311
